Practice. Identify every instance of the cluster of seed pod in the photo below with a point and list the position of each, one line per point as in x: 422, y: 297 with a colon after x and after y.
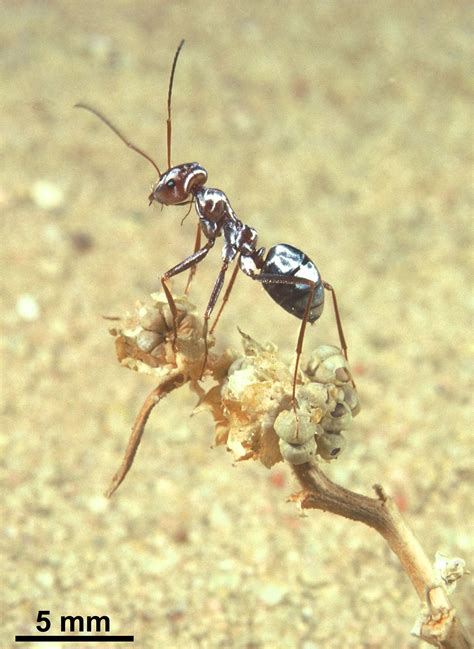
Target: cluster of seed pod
x: 254, y: 415
x: 327, y: 402
x: 145, y: 339
x: 251, y: 400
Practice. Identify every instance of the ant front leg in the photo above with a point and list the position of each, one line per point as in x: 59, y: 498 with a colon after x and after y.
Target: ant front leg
x: 219, y: 283
x: 187, y: 263
x: 197, y: 245
x: 225, y: 298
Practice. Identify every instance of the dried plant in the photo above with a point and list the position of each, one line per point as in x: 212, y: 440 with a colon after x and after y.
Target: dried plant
x: 251, y: 404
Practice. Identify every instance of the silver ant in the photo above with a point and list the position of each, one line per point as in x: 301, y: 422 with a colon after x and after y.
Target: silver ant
x: 287, y: 274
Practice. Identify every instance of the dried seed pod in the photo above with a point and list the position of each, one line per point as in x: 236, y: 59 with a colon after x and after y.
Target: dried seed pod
x: 316, y: 394
x: 148, y: 340
x: 294, y: 431
x: 338, y: 419
x: 332, y: 369
x: 330, y: 445
x: 327, y: 364
x: 152, y: 319
x: 325, y: 351
x: 351, y: 398
x: 298, y: 453
x: 318, y: 355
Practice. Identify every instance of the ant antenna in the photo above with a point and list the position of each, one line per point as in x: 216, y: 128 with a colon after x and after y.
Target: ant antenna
x: 119, y: 134
x: 170, y: 88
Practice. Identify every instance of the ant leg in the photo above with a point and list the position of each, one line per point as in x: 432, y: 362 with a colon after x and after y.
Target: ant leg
x: 225, y: 298
x: 197, y: 245
x: 187, y: 263
x: 342, y: 339
x: 299, y: 344
x: 219, y: 283
x: 282, y: 279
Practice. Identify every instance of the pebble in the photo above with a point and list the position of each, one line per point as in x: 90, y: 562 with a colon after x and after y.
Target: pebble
x: 46, y: 195
x: 100, y: 47
x: 45, y: 578
x: 223, y: 581
x: 219, y: 518
x: 27, y: 308
x: 309, y: 644
x: 307, y: 613
x: 271, y: 594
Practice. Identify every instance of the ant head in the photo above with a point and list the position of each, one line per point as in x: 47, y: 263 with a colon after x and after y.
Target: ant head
x: 176, y: 184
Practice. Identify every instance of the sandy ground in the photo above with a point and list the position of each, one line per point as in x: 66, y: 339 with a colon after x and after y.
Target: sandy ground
x: 344, y: 128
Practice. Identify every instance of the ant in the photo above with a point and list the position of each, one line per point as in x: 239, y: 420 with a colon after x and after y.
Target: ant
x: 287, y: 274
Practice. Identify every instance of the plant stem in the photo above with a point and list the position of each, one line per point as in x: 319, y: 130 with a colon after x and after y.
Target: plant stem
x: 442, y: 628
x: 155, y: 396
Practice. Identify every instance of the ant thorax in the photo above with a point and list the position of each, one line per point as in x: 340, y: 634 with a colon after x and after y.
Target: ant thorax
x: 217, y: 218
x: 238, y: 238
x: 214, y: 209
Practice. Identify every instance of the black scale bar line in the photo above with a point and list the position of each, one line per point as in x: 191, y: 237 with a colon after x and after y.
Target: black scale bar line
x: 74, y: 638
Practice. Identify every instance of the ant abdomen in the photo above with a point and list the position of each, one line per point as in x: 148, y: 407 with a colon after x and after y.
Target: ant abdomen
x: 286, y: 261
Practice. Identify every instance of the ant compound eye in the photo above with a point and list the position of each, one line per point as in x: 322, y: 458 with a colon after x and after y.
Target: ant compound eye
x: 171, y: 184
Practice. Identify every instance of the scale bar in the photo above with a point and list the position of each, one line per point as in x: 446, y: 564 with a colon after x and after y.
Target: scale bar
x: 74, y: 638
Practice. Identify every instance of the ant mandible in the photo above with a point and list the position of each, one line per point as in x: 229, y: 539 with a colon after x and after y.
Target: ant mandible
x: 287, y: 274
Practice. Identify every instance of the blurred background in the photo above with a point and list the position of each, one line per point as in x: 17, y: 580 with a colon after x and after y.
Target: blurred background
x: 342, y: 128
